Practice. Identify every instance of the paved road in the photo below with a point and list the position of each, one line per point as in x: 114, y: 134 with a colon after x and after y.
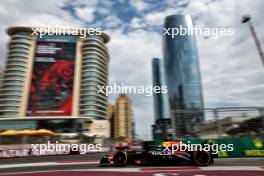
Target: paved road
x: 87, y: 165
x: 97, y: 156
x: 36, y: 159
x: 176, y: 173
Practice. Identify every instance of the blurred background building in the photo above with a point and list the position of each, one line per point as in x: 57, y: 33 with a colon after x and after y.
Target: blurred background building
x: 52, y: 81
x: 209, y: 129
x: 182, y: 76
x: 161, y: 104
x: 162, y: 127
x: 121, y: 119
x: 1, y: 76
x: 111, y: 117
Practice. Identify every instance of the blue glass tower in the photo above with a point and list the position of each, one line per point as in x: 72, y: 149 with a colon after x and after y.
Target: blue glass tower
x: 161, y: 130
x: 182, y: 76
x: 161, y: 104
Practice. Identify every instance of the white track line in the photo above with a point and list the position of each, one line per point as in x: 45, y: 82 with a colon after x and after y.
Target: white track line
x: 210, y: 168
x: 31, y: 172
x: 235, y: 168
x: 79, y: 170
x: 5, y: 166
x: 214, y: 168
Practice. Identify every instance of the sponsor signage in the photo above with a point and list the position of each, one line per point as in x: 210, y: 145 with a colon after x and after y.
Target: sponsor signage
x: 51, y: 88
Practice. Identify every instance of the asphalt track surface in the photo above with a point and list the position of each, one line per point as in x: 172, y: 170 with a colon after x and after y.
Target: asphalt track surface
x: 80, y: 165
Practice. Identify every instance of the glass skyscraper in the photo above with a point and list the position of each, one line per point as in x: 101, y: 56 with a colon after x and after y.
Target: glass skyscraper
x: 161, y: 104
x: 161, y: 130
x: 182, y: 76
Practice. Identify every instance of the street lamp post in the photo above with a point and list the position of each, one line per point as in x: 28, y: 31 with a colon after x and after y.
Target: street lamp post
x: 246, y: 19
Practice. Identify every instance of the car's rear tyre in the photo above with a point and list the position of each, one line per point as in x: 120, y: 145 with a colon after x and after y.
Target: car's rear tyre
x: 201, y: 158
x: 120, y: 158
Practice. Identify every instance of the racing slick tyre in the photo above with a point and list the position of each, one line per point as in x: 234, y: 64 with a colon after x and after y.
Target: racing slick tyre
x: 105, y: 160
x: 201, y: 158
x: 120, y: 158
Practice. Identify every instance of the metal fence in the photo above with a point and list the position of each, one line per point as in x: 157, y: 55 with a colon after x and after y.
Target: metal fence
x: 218, y: 122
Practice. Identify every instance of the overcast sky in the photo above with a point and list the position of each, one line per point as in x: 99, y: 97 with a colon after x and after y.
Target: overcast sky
x: 232, y: 73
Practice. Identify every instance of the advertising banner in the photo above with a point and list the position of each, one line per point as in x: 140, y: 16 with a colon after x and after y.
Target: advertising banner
x: 243, y: 146
x: 51, y: 88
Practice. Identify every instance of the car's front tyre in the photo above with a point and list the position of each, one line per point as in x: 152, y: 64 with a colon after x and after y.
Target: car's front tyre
x: 120, y: 158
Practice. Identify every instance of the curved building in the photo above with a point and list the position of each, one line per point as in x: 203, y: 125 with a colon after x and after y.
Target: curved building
x: 94, y: 73
x: 56, y: 76
x: 182, y: 75
x: 17, y: 71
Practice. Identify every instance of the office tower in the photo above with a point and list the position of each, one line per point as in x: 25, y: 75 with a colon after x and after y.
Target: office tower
x: 161, y: 104
x: 182, y: 75
x: 123, y: 118
x: 162, y: 127
x: 54, y: 77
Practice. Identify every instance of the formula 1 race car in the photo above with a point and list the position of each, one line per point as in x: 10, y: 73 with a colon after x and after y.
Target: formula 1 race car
x: 159, y: 155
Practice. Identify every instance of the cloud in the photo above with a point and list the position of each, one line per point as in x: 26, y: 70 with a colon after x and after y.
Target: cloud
x: 85, y: 13
x: 103, y: 11
x: 139, y: 5
x: 112, y: 21
x: 137, y: 23
x: 156, y: 18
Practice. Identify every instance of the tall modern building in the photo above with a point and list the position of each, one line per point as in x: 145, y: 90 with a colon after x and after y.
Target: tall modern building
x: 182, y: 76
x: 161, y: 104
x: 51, y: 81
x: 162, y: 127
x: 123, y: 118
